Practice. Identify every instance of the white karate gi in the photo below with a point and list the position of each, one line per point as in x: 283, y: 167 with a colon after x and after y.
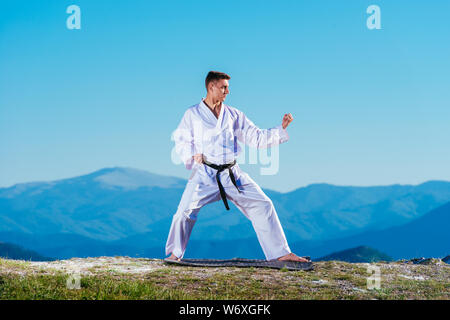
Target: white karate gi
x: 217, y: 139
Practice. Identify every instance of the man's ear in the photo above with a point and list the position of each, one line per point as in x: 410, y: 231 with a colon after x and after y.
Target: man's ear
x: 211, y: 85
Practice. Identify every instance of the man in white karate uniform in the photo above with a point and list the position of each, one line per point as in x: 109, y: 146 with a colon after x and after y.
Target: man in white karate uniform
x: 207, y: 142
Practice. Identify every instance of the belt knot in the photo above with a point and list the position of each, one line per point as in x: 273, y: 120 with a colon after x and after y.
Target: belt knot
x: 219, y: 169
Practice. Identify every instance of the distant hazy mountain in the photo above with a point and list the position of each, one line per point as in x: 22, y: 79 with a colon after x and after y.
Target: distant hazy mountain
x: 427, y: 236
x: 128, y: 210
x: 358, y: 254
x: 108, y: 204
x: 322, y: 211
x: 64, y: 246
x: 12, y: 251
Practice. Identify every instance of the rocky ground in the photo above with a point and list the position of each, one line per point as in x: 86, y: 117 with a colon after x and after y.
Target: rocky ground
x: 139, y: 278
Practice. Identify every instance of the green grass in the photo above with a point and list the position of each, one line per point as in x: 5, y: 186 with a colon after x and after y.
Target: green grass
x: 92, y: 287
x: 329, y: 280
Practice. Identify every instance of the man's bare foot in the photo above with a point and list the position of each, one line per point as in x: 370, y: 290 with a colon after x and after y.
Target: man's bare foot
x: 292, y: 257
x: 173, y: 257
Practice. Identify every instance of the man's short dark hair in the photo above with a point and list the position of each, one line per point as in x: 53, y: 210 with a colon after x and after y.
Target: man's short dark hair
x: 214, y: 76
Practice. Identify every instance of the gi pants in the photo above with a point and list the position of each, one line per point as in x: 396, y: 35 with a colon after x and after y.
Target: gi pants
x: 202, y: 189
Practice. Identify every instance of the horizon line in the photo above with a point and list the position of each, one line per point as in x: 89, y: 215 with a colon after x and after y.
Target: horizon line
x: 176, y: 177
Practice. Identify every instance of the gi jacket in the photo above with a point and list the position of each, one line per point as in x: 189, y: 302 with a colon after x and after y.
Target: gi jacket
x: 199, y: 131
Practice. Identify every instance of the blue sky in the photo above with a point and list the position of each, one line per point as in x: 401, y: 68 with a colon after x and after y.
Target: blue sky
x: 370, y: 107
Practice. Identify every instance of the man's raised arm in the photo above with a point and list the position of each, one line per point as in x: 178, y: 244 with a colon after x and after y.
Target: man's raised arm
x: 248, y: 133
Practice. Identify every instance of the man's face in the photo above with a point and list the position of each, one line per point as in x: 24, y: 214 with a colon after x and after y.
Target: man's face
x: 219, y: 89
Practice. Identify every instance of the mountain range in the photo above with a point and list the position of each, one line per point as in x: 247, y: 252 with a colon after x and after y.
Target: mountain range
x: 426, y: 236
x: 126, y: 211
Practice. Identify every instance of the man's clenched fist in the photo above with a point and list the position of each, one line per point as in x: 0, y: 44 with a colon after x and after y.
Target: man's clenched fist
x: 198, y: 158
x: 286, y: 120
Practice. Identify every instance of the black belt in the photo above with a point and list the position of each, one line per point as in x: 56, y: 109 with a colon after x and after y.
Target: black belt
x: 219, y: 169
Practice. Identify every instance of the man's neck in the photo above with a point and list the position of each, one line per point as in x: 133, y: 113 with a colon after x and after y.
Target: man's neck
x: 213, y: 105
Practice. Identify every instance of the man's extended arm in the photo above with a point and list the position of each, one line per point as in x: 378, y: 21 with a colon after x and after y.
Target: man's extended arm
x: 248, y: 133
